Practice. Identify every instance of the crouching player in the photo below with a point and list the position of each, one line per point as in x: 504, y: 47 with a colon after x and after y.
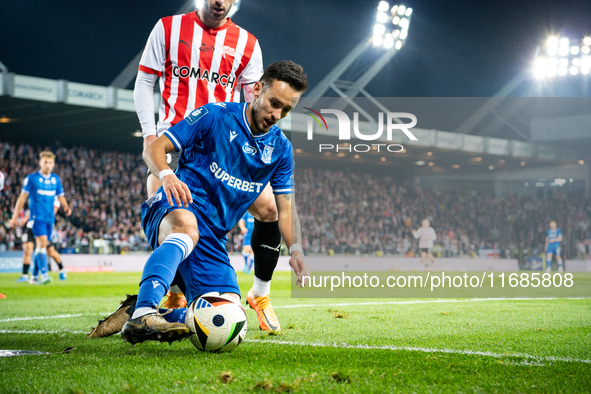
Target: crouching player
x: 218, y: 178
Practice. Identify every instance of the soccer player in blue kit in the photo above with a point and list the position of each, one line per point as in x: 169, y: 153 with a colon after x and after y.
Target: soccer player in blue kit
x: 41, y: 188
x: 229, y: 152
x: 553, y: 239
x: 246, y: 225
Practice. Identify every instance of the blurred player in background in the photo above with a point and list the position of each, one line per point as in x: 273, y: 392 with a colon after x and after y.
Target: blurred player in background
x: 246, y: 224
x: 41, y: 188
x: 203, y: 57
x: 426, y: 236
x: 28, y: 245
x: 552, y: 247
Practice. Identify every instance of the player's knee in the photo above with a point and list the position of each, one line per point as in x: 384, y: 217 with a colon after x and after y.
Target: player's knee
x: 193, y: 233
x: 266, y: 211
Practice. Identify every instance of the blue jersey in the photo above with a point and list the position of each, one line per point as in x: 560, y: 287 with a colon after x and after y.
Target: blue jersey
x: 225, y: 165
x: 554, y: 234
x: 42, y: 191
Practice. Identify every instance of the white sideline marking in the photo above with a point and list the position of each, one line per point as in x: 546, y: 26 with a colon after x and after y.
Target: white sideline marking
x: 530, y: 360
x: 53, y: 317
x: 40, y: 317
x: 428, y: 301
x: 425, y: 350
x: 40, y: 332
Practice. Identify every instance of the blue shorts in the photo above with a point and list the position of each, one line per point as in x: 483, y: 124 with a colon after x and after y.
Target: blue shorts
x: 42, y: 228
x: 208, y: 267
x: 553, y: 248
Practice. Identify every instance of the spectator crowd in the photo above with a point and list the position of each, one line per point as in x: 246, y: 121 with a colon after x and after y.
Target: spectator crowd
x: 340, y: 212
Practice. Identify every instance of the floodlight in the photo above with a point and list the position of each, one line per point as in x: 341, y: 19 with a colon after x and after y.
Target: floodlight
x: 408, y: 11
x: 396, y: 20
x: 398, y: 44
x: 382, y: 17
x: 403, y: 35
x: 563, y: 63
x: 378, y: 41
x: 564, y: 42
x: 563, y: 56
x: 388, y: 42
x: 379, y: 29
x: 384, y: 6
x: 401, y: 10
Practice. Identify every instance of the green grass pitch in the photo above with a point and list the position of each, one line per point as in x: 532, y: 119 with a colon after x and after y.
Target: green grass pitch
x: 326, y: 345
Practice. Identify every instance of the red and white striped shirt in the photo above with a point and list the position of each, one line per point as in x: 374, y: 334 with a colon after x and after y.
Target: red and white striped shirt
x: 426, y: 236
x: 199, y: 65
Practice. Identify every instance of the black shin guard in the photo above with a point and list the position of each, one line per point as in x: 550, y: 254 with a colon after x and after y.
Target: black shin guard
x: 266, y: 245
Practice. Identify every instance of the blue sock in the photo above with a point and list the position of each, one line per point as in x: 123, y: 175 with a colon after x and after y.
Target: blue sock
x: 35, y: 265
x: 250, y: 262
x: 41, y: 261
x: 176, y: 316
x: 160, y: 269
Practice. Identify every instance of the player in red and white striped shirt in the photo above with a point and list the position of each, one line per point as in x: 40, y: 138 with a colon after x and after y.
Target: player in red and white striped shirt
x: 426, y: 236
x: 203, y: 57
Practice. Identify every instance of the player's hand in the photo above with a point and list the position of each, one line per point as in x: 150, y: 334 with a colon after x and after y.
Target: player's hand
x: 243, y: 231
x: 149, y: 139
x: 176, y: 189
x: 67, y: 211
x: 299, y: 267
x: 13, y: 222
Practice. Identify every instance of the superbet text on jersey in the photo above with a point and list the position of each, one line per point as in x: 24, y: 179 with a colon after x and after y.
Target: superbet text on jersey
x: 198, y: 65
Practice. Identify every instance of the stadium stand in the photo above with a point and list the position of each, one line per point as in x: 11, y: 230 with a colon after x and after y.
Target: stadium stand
x: 352, y: 212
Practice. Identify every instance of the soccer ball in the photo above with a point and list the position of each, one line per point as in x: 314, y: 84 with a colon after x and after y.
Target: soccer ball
x: 217, y: 322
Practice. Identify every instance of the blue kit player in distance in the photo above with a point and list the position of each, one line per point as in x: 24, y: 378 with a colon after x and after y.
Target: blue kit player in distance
x: 41, y: 188
x: 246, y: 225
x: 229, y: 152
x: 553, y: 240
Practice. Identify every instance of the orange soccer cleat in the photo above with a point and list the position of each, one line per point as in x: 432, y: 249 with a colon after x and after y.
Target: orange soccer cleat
x: 265, y: 313
x: 175, y: 301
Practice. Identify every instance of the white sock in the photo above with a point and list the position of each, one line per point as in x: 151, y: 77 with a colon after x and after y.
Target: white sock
x: 175, y: 289
x: 261, y: 288
x: 142, y: 312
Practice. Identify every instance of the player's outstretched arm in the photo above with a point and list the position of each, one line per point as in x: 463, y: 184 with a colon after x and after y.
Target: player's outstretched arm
x: 289, y: 226
x: 20, y: 203
x: 155, y: 157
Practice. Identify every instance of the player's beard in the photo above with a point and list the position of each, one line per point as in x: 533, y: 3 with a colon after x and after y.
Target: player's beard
x: 210, y: 11
x: 259, y: 120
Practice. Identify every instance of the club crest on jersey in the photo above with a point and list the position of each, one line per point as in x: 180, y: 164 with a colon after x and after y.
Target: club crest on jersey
x: 266, y: 156
x: 228, y: 51
x: 233, y: 134
x: 248, y: 149
x: 196, y: 115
